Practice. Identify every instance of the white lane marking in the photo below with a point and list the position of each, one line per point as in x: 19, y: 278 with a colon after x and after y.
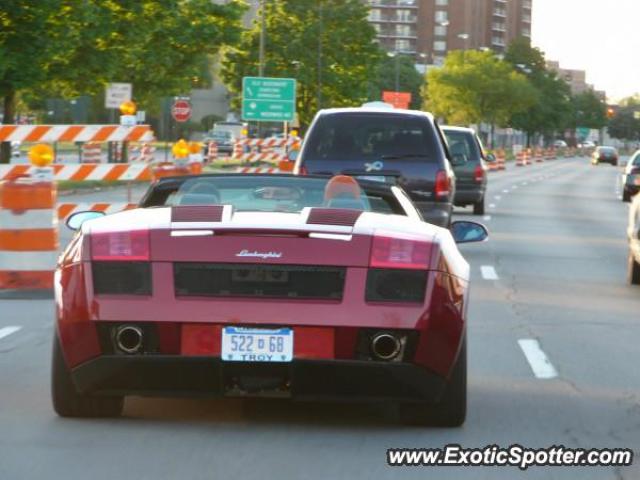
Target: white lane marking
x: 538, y: 361
x: 505, y: 191
x: 6, y: 331
x: 492, y: 205
x: 497, y: 197
x: 486, y: 218
x: 488, y: 272
x: 525, y: 183
x: 515, y: 187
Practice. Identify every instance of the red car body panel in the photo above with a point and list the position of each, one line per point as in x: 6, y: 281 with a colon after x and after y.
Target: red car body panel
x: 323, y: 329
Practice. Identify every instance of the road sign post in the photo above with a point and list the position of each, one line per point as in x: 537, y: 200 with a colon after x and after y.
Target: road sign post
x: 268, y: 99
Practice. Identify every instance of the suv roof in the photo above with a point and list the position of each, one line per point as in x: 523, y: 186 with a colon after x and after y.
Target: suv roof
x: 458, y: 129
x: 372, y: 109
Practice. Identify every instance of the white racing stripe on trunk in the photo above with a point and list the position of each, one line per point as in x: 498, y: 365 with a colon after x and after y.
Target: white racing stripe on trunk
x: 6, y: 331
x: 488, y: 272
x: 540, y: 364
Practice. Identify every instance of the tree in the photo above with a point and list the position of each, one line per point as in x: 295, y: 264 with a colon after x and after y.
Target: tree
x: 474, y: 87
x: 624, y: 125
x: 328, y: 45
x: 409, y: 80
x: 590, y: 110
x: 552, y: 110
x: 72, y: 47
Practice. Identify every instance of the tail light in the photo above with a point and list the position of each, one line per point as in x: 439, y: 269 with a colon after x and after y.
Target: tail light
x: 443, y: 184
x: 120, y: 246
x: 303, y: 170
x: 399, y: 252
x: 478, y: 173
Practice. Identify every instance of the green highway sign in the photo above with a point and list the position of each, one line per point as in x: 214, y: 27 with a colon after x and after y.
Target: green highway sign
x: 268, y: 99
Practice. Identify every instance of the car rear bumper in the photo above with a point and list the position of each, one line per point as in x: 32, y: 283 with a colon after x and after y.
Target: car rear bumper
x: 436, y: 213
x: 466, y: 197
x: 174, y: 375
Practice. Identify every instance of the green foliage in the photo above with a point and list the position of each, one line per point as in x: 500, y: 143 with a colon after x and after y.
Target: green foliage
x: 294, y: 35
x: 624, y: 125
x: 552, y: 110
x: 476, y: 86
x: 589, y: 110
x: 409, y: 80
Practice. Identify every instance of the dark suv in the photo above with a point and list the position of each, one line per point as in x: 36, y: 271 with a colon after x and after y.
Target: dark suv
x: 385, y: 144
x: 467, y: 159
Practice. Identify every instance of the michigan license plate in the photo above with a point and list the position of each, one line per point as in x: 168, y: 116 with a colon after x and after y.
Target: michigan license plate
x: 241, y: 344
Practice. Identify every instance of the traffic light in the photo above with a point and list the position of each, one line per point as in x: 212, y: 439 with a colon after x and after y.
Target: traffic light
x: 611, y: 112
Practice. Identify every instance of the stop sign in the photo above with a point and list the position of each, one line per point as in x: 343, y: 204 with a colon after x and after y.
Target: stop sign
x: 181, y: 110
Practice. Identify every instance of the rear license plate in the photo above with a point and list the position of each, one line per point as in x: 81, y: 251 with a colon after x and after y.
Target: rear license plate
x: 241, y: 344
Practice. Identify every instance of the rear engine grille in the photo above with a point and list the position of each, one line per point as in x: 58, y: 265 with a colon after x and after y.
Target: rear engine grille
x: 121, y: 278
x: 264, y: 281
x: 333, y: 216
x: 390, y: 285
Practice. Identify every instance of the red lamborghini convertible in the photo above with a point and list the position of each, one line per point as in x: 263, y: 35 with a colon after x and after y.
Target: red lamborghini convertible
x: 301, y: 287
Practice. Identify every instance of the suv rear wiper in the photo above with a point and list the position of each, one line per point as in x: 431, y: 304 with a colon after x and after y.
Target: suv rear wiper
x: 405, y: 155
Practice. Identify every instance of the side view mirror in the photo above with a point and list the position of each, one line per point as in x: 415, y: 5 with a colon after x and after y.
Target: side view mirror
x: 293, y: 155
x: 490, y: 157
x: 468, y: 232
x: 75, y: 221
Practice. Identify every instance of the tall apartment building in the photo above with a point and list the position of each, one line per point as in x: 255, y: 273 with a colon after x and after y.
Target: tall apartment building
x: 429, y: 29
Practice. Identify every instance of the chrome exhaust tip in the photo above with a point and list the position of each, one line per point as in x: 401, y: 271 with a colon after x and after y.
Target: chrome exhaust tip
x: 385, y: 346
x: 128, y: 339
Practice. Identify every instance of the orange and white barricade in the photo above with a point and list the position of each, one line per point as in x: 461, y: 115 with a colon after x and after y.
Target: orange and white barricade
x: 501, y: 160
x: 258, y: 170
x: 65, y: 210
x: 212, y: 152
x: 28, y: 232
x: 91, y: 152
x: 520, y: 159
x: 84, y: 171
x: 271, y: 150
x: 539, y: 155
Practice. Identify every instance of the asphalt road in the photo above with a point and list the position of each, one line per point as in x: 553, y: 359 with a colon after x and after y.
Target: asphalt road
x: 553, y: 272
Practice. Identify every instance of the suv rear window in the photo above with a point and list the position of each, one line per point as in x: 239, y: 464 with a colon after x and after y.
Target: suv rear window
x: 359, y: 136
x: 462, y: 144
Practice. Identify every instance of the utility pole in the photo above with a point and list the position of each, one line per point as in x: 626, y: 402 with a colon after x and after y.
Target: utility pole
x: 263, y: 21
x: 319, y: 54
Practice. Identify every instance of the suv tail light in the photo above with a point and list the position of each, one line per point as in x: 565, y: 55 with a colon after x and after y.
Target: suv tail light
x: 303, y: 170
x: 443, y: 184
x: 389, y: 251
x: 120, y: 246
x: 478, y: 173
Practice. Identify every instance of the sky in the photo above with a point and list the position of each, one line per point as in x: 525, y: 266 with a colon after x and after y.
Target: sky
x: 599, y: 36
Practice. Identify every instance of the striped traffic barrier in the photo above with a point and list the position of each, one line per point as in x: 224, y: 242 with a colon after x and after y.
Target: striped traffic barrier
x: 501, y: 159
x: 75, y: 133
x: 212, y: 152
x: 539, y: 155
x: 84, y: 171
x: 91, y: 152
x: 65, y: 210
x: 28, y: 232
x: 520, y: 159
x: 257, y: 170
